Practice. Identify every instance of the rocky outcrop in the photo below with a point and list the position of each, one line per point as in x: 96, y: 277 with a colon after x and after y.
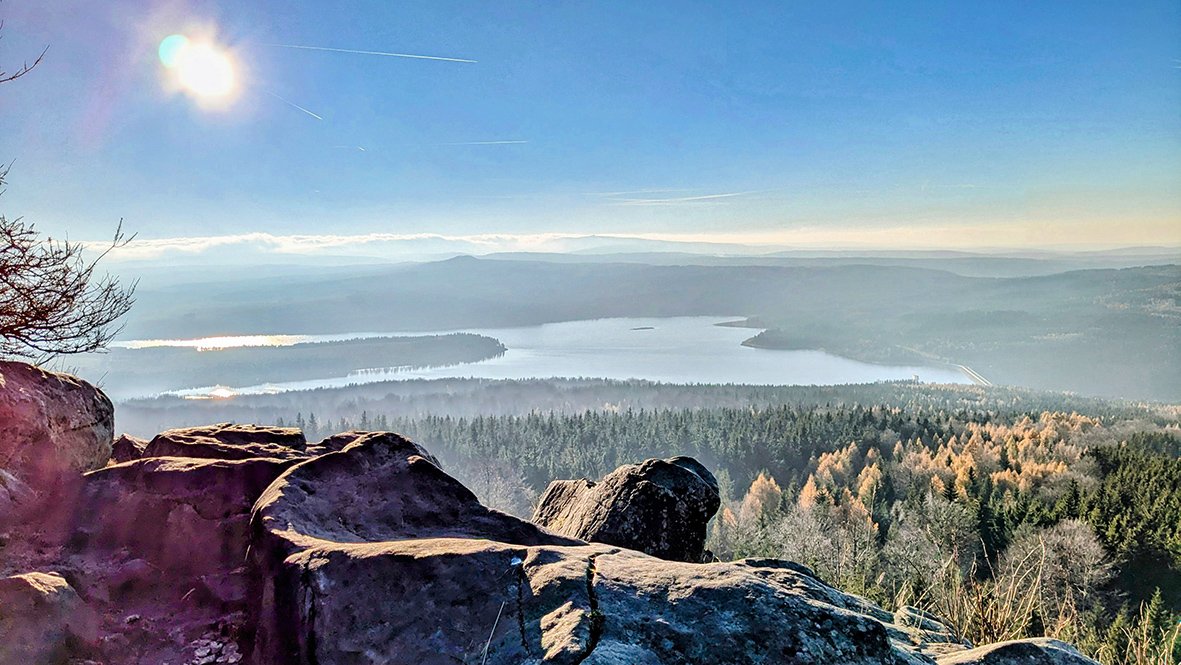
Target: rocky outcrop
x: 1035, y: 651
x: 127, y: 448
x: 157, y: 547
x: 43, y: 621
x: 360, y: 548
x: 51, y: 425
x: 443, y: 600
x: 373, y: 553
x: 334, y: 514
x: 229, y: 442
x: 660, y: 507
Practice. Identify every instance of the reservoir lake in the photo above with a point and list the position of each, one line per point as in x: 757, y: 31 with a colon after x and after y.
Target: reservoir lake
x: 668, y: 350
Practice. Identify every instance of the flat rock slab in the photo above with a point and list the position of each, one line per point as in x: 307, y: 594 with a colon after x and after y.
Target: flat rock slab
x: 445, y: 600
x: 229, y: 442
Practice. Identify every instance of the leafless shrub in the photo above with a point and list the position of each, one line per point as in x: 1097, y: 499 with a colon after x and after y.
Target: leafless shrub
x: 1073, y: 566
x: 989, y: 611
x: 928, y: 541
x: 499, y: 485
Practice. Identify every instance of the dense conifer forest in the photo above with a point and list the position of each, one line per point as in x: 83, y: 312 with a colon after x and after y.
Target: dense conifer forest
x: 990, y: 507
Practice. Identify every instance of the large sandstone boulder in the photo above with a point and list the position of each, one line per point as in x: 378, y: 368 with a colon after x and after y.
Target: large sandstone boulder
x: 158, y: 548
x: 229, y: 442
x: 1035, y: 651
x: 373, y: 554
x: 381, y: 488
x: 51, y: 425
x: 660, y: 507
x: 43, y: 621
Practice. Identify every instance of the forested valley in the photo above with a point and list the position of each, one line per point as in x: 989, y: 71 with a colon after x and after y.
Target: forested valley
x: 989, y: 507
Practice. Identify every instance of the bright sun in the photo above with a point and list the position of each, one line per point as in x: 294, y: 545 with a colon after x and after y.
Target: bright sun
x: 202, y: 69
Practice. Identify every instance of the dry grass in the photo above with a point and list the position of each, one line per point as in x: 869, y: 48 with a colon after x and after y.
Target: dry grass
x: 989, y: 611
x: 1004, y: 607
x: 1145, y: 645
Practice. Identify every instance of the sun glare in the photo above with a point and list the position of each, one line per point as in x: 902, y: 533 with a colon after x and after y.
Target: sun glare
x: 202, y: 69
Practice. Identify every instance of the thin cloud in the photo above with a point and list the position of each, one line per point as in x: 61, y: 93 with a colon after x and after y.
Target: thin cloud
x: 141, y: 249
x: 680, y: 200
x: 927, y: 186
x: 636, y: 191
x: 430, y: 145
x: 381, y: 53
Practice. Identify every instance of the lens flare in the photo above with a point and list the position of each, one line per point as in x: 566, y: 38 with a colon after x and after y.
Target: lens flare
x: 171, y: 47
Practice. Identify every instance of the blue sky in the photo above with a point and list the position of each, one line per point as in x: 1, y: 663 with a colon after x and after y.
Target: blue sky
x: 955, y: 124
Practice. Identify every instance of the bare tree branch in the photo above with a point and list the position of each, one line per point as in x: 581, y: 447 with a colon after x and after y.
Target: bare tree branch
x: 51, y: 302
x: 25, y: 66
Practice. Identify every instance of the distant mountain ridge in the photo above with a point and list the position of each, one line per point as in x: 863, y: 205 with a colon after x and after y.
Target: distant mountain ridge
x: 1112, y: 332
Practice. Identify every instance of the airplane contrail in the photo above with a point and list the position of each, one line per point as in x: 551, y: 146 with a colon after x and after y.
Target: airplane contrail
x: 391, y: 55
x: 294, y: 104
x: 483, y: 143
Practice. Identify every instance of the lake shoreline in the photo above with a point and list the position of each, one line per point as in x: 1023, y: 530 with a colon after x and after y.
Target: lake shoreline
x: 670, y: 350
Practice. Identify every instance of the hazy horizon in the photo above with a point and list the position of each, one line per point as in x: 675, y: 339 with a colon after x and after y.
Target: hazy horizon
x: 341, y: 250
